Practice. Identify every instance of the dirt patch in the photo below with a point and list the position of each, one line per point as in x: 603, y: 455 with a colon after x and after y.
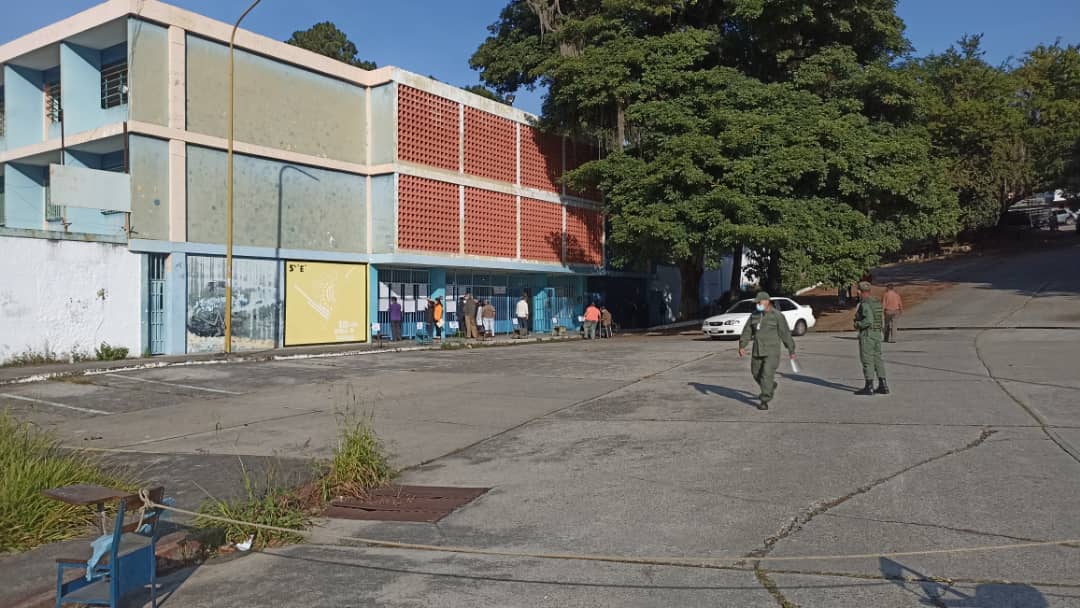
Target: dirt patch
x: 833, y: 317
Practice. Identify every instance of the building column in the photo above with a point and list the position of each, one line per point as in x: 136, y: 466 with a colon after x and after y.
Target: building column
x: 176, y: 304
x: 373, y: 298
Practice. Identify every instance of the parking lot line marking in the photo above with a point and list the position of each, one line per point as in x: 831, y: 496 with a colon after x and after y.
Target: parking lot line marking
x: 54, y: 404
x: 194, y: 388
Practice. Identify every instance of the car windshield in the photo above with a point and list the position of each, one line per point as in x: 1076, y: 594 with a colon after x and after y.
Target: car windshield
x: 741, y: 307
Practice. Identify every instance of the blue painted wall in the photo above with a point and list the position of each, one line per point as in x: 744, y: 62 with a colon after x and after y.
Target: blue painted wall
x: 24, y: 196
x: 81, y: 87
x: 24, y: 105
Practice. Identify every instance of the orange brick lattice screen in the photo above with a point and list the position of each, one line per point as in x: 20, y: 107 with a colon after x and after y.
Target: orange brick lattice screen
x: 490, y: 223
x: 428, y: 131
x: 584, y: 236
x: 490, y: 146
x: 541, y: 230
x: 541, y: 160
x: 428, y: 215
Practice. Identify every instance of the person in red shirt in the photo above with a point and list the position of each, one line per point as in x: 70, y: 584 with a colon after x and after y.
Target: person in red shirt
x: 894, y: 307
x: 592, y: 318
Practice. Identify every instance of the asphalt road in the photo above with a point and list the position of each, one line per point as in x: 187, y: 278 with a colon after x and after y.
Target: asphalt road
x: 651, y: 447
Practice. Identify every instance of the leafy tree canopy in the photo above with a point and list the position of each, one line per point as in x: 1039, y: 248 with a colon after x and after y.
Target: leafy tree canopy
x: 326, y: 39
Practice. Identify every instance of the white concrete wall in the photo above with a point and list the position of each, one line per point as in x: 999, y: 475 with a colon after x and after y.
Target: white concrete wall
x: 67, y: 296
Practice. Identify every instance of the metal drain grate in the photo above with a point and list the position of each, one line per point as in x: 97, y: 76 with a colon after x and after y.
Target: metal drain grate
x: 404, y: 503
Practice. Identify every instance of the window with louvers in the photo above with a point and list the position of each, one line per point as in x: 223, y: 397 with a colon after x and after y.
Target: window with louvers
x: 114, y: 90
x: 52, y: 101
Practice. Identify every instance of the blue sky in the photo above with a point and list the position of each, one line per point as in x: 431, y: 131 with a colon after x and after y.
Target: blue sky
x: 436, y: 37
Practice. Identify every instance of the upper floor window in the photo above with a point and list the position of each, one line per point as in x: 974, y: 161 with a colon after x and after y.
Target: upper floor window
x: 114, y: 89
x: 1, y: 112
x: 52, y: 101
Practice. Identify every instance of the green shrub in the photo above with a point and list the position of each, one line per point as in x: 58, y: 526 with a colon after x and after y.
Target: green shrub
x: 358, y: 463
x: 31, y: 357
x: 110, y: 353
x: 32, y: 460
x: 267, y: 505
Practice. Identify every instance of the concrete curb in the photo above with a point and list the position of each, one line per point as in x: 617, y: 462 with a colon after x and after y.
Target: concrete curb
x: 271, y: 356
x: 176, y: 550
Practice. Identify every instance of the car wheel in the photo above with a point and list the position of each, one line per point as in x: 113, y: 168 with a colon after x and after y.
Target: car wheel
x: 800, y: 328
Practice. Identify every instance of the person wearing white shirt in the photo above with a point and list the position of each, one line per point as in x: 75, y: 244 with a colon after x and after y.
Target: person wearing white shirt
x: 521, y: 311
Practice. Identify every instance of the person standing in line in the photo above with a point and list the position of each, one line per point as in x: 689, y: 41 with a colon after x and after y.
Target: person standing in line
x: 868, y: 322
x: 606, y: 322
x: 395, y: 319
x: 521, y: 311
x: 429, y: 317
x: 592, y: 318
x: 480, y: 317
x: 488, y: 315
x: 468, y: 310
x: 769, y: 332
x: 894, y: 307
x: 438, y: 318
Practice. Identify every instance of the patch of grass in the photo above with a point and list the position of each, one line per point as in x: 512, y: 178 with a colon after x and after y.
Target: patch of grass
x: 32, y: 357
x: 268, y: 505
x: 358, y: 463
x: 32, y: 460
x: 110, y: 353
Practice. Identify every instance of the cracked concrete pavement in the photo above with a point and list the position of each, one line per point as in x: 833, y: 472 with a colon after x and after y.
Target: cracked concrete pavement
x: 650, y: 447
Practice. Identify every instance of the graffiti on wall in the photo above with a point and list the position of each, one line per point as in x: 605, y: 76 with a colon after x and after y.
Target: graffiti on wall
x: 326, y: 302
x: 255, y: 305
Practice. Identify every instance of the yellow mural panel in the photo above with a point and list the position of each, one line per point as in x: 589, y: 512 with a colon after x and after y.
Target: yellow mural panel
x: 325, y: 302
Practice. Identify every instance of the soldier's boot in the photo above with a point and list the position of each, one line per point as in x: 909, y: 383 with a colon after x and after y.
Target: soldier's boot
x: 764, y: 405
x: 866, y: 390
x: 882, y: 387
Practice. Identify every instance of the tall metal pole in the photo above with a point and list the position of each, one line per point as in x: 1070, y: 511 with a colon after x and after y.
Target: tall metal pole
x: 229, y: 186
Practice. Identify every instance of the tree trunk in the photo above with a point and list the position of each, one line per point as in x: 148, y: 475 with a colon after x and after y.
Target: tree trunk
x: 736, y: 273
x: 772, y: 282
x: 690, y: 271
x: 620, y: 126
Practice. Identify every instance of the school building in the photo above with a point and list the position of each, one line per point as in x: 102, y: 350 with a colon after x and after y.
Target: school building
x: 350, y: 187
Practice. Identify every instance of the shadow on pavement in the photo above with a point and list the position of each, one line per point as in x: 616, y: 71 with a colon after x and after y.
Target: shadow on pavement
x: 734, y: 394
x: 819, y: 382
x: 941, y: 595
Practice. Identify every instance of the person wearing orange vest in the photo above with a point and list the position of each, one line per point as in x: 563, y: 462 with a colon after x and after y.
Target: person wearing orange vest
x: 438, y: 318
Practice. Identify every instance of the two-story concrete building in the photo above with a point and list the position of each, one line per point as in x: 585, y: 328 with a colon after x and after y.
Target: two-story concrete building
x: 350, y: 187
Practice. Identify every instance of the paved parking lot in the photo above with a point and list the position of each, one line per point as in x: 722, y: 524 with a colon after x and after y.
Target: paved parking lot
x: 651, y: 447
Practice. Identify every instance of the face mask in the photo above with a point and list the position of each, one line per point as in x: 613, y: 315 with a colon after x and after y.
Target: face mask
x: 761, y: 308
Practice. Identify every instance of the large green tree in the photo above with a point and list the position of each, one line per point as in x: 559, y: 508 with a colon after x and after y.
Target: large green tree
x: 775, y: 124
x: 326, y: 39
x: 1049, y: 77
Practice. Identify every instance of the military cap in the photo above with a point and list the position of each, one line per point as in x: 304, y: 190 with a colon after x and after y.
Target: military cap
x: 762, y: 297
x: 864, y: 286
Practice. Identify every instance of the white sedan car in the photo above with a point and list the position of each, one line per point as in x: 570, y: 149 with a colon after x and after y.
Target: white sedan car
x: 800, y: 318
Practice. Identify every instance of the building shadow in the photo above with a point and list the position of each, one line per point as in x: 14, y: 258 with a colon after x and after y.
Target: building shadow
x: 744, y: 397
x: 942, y: 595
x: 819, y: 382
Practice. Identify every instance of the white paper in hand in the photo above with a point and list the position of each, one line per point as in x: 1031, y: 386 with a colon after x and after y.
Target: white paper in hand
x: 795, y: 367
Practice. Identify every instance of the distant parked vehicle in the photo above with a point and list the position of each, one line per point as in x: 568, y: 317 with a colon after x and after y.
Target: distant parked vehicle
x: 1064, y: 217
x: 800, y: 318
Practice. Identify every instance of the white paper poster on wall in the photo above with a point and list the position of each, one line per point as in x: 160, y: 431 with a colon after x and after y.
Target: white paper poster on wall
x: 410, y: 306
x: 421, y: 304
x: 451, y: 306
x: 384, y: 290
x: 376, y: 328
x: 384, y: 304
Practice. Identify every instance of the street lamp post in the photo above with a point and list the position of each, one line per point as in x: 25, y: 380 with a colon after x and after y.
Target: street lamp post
x: 229, y: 186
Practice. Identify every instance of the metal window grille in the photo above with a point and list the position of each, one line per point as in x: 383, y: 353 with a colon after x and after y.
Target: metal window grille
x: 1, y: 200
x: 52, y: 101
x: 53, y: 213
x: 114, y: 88
x: 1, y: 112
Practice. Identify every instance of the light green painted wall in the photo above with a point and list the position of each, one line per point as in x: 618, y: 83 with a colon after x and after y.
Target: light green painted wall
x: 148, y: 72
x: 383, y: 127
x: 383, y: 221
x: 149, y: 161
x: 318, y: 209
x: 277, y: 105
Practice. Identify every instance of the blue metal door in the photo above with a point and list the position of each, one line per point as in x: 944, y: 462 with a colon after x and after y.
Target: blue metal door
x: 156, y: 310
x: 543, y: 310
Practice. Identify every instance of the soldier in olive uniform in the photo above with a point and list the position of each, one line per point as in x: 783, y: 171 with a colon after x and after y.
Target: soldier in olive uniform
x: 769, y: 331
x: 869, y: 318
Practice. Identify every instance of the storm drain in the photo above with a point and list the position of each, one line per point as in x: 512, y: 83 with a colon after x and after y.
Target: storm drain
x: 404, y: 503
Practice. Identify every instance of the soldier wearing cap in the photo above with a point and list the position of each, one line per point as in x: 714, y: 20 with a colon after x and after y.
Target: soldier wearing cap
x: 869, y: 318
x: 769, y: 331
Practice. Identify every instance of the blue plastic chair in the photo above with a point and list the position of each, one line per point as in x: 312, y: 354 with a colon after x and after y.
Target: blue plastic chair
x: 129, y: 564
